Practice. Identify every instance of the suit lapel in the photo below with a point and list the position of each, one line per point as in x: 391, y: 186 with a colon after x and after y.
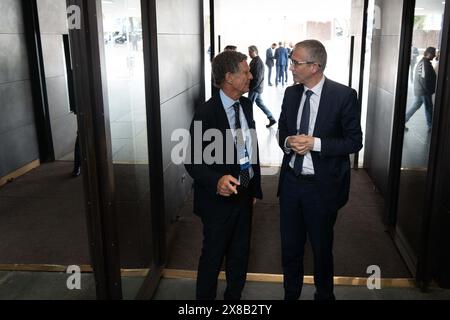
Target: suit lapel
x: 325, y: 102
x: 293, y: 117
x: 222, y: 119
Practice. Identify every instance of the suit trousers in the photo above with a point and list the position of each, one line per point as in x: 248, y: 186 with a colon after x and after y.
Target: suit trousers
x: 226, y: 235
x: 304, y: 214
x: 280, y: 74
x: 270, y: 75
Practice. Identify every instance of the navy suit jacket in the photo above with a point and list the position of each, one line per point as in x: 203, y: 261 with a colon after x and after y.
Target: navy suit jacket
x: 281, y: 55
x: 338, y: 127
x: 269, y: 58
x: 206, y: 176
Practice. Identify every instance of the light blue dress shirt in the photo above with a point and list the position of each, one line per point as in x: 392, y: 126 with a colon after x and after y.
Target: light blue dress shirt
x: 228, y: 103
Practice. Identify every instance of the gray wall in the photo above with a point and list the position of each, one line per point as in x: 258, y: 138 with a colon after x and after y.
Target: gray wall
x: 53, y: 24
x: 382, y: 90
x: 180, y: 47
x: 18, y: 139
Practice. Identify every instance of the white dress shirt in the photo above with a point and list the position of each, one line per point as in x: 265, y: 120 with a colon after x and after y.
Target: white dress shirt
x: 308, y: 166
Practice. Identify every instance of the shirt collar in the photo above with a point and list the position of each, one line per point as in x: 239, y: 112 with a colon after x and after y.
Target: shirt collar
x: 226, y: 100
x: 317, y: 90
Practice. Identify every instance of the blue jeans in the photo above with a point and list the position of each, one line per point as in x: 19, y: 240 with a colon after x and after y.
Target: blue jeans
x: 417, y: 103
x: 256, y: 97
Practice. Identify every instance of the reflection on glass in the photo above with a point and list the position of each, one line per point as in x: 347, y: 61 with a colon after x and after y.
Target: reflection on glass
x: 419, y: 119
x: 422, y: 85
x: 122, y: 26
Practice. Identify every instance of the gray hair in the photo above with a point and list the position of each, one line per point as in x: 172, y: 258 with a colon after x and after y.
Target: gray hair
x: 227, y: 61
x: 253, y: 49
x: 316, y: 52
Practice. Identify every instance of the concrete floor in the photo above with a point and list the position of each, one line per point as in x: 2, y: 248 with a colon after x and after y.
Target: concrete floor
x: 184, y: 289
x: 52, y: 286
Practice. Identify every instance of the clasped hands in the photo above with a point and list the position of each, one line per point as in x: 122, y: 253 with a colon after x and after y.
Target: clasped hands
x: 301, y: 144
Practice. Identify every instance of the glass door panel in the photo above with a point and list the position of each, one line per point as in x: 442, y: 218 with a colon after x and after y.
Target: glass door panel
x: 122, y: 28
x: 419, y: 122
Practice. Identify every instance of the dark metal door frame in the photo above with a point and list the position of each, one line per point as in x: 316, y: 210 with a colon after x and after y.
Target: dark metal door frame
x: 434, y: 260
x: 95, y: 143
x: 361, y: 70
x: 401, y: 96
x: 37, y: 80
x: 153, y: 106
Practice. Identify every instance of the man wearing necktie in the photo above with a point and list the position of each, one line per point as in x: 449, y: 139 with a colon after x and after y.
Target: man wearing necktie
x: 225, y: 190
x: 318, y: 129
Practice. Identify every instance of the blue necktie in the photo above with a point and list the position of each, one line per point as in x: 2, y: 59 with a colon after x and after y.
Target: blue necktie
x: 240, y: 146
x: 304, y: 129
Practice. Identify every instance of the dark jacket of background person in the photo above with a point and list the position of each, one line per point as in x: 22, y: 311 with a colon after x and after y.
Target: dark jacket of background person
x: 281, y: 55
x: 257, y: 70
x: 425, y: 78
x: 269, y: 58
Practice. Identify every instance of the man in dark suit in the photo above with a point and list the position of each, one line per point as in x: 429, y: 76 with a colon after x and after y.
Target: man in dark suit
x: 319, y: 128
x: 281, y: 56
x: 257, y: 84
x: 270, y: 56
x: 225, y: 188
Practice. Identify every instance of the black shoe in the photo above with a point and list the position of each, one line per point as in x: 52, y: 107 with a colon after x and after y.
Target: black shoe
x: 76, y: 172
x: 270, y: 85
x: 406, y: 129
x: 271, y: 123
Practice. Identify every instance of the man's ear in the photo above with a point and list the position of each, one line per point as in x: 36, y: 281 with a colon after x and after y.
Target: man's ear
x: 229, y: 78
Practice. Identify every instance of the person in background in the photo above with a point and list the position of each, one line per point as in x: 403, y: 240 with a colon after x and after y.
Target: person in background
x: 230, y: 48
x: 282, y: 60
x: 270, y: 57
x: 424, y: 87
x: 257, y: 84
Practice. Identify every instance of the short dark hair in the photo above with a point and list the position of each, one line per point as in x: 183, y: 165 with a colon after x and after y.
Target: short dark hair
x: 253, y: 49
x: 430, y: 50
x: 230, y: 48
x: 227, y: 61
x: 316, y: 52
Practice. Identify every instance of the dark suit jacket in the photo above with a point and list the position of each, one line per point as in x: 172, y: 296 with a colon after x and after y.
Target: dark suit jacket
x: 338, y: 126
x: 257, y: 71
x: 281, y: 56
x: 269, y: 58
x: 206, y: 176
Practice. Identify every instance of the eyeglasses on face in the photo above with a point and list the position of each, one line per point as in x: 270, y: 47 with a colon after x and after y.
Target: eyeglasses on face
x: 299, y: 63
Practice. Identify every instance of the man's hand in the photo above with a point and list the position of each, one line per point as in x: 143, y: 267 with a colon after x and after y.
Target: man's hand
x: 227, y: 186
x: 301, y: 144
